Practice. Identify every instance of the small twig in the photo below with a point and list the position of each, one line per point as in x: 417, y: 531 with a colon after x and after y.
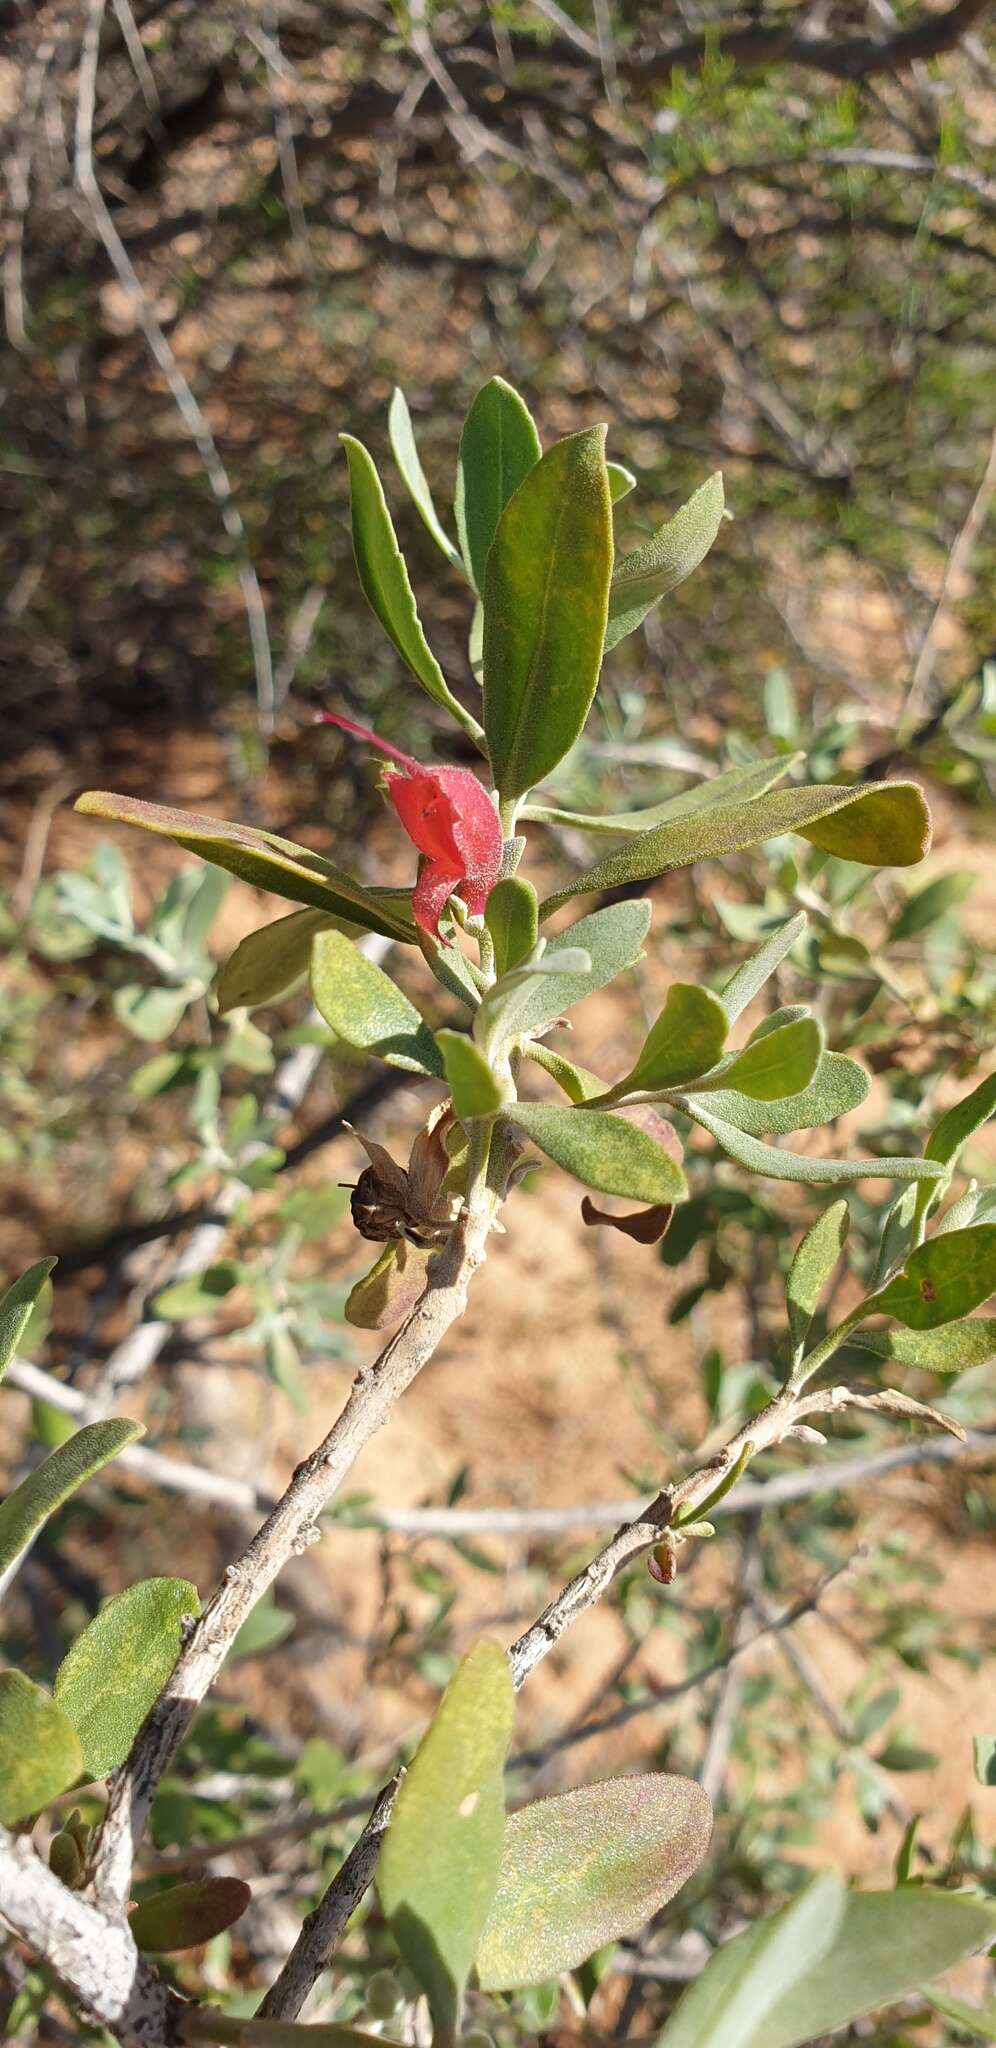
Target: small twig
x: 183, y: 397
x: 955, y: 567
x: 725, y: 1711
x: 317, y: 1940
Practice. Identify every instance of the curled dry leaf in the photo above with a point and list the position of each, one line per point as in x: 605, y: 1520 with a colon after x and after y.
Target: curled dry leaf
x: 410, y: 1210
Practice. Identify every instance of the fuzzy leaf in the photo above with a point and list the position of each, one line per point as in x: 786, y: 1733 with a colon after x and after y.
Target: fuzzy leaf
x: 731, y: 2003
x: 17, y: 1307
x: 363, y: 1005
x: 838, y: 1085
x: 116, y: 1669
x: 749, y: 979
x: 261, y: 859
x: 886, y: 1945
x: 402, y: 439
x: 499, y: 446
x: 606, y: 1152
x: 546, y: 593
x: 383, y: 576
x: 441, y: 1856
x: 576, y: 1082
x: 51, y: 1483
x: 943, y: 1279
x: 976, y: 2019
x: 474, y: 1088
x: 268, y: 962
x: 687, y: 1040
x: 188, y: 1914
x: 512, y: 918
x: 392, y: 1286
x: 585, y: 1867
x: 778, y: 1165
x: 39, y: 1751
x: 955, y: 1347
x: 776, y: 1063
x: 882, y: 824
x: 531, y: 1000
x: 717, y: 792
x: 641, y: 579
x: 957, y: 1125
x: 621, y: 481
x: 814, y: 1261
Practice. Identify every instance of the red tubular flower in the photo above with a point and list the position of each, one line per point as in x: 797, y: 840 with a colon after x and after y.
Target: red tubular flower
x: 451, y: 819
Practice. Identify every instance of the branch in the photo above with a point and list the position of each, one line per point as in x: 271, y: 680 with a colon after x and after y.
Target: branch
x: 316, y: 1942
x: 95, y: 1957
x: 290, y: 1528
x: 956, y: 566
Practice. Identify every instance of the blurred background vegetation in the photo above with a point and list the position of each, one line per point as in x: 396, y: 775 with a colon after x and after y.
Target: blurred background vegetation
x: 754, y: 238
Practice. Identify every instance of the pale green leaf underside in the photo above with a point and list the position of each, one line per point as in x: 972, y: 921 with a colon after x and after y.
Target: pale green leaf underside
x: 812, y: 1265
x: 955, y: 1347
x: 406, y: 455
x: 606, y: 1152
x: 780, y: 1165
x: 30, y: 1505
x: 839, y: 1085
x: 473, y: 1087
x: 16, y: 1307
x: 585, y: 1867
x: 642, y: 578
x: 731, y: 2003
x: 613, y: 941
x: 268, y: 962
x: 380, y: 566
x: 742, y: 783
x: 882, y: 824
x: 749, y: 979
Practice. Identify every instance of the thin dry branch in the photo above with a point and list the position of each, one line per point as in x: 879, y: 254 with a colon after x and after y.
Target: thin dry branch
x: 320, y: 1933
x: 955, y: 567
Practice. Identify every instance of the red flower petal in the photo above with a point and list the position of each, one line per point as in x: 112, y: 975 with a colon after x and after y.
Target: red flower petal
x: 431, y: 894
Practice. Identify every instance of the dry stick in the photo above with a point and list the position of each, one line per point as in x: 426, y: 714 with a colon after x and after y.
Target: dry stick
x: 316, y: 1942
x: 95, y: 1957
x: 180, y: 391
x: 712, y: 1773
x: 957, y: 564
x: 287, y: 1531
x: 177, y: 1475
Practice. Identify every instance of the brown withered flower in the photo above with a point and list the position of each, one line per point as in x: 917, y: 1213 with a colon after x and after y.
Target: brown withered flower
x: 410, y: 1210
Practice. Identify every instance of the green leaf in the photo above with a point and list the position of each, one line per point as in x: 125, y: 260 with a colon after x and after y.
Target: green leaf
x: 545, y: 602
x: 188, y: 1914
x: 956, y: 1126
x: 364, y: 1007
x: 585, y: 1867
x: 512, y: 918
x: 621, y: 481
x: 604, y: 1151
x: 984, y: 1753
x: 150, y: 1013
x: 955, y: 1347
x: 384, y: 1295
x: 978, y: 2019
x: 687, y: 1040
x: 51, y: 1483
x: 117, y: 1668
x: 441, y: 1856
x: 532, y: 997
x: 475, y: 1089
x: 17, y: 1307
x: 779, y: 1165
x: 927, y: 905
x: 814, y: 1261
x: 886, y: 1945
x: 776, y: 1063
x: 745, y: 783
x: 838, y: 1085
x: 262, y: 859
x: 402, y: 438
x: 267, y: 963
x: 749, y: 979
x: 499, y: 446
x: 943, y: 1279
x: 380, y: 566
x: 641, y: 579
x: 730, y: 2005
x: 576, y: 1082
x: 882, y: 824
x: 197, y: 1294
x: 39, y: 1751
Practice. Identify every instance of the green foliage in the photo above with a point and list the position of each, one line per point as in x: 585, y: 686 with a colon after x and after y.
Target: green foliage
x: 546, y: 592
x: 413, y: 476
x: 265, y: 964
x: 45, y: 1489
x: 813, y: 1262
x: 642, y: 578
x: 39, y: 1750
x: 474, y: 1088
x: 585, y: 1867
x: 188, y: 1914
x: 512, y: 918
x: 17, y: 1307
x: 440, y: 1861
x: 603, y: 1151
x: 115, y: 1670
x: 364, y: 1007
x: 686, y: 1041
x: 943, y: 1279
x: 499, y: 446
